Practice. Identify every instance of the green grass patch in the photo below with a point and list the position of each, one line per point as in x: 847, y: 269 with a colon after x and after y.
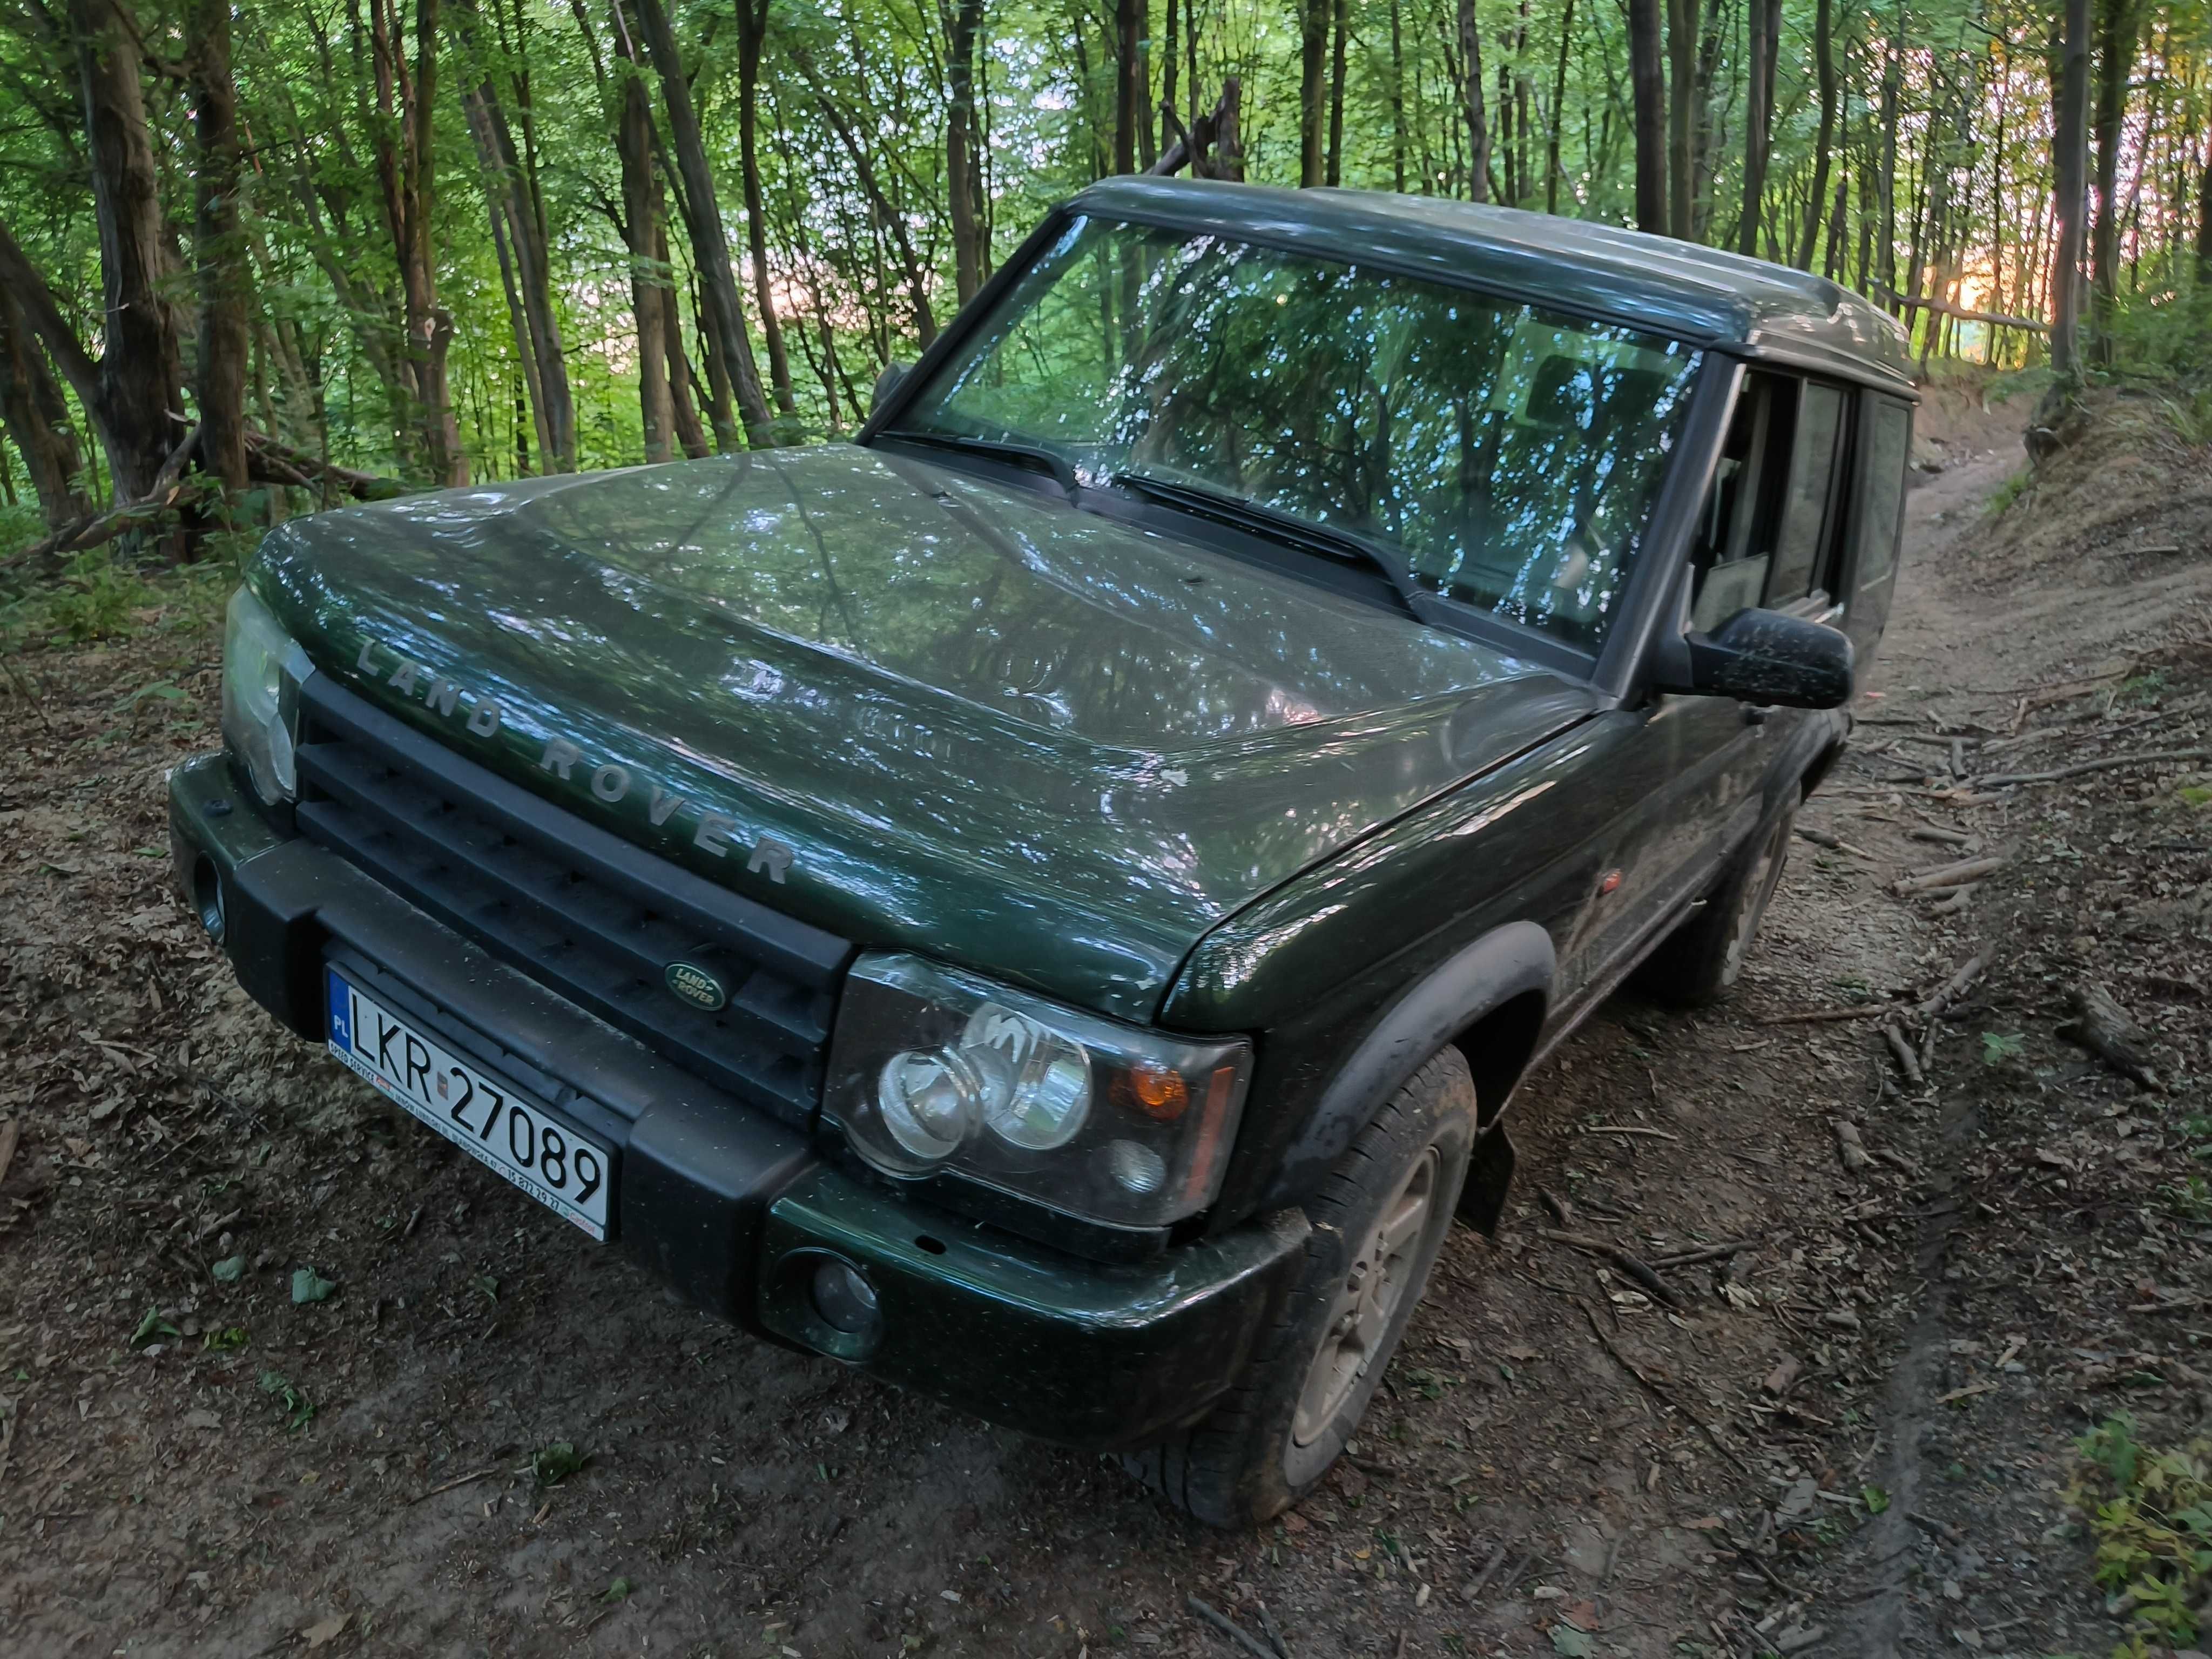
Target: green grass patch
x: 2150, y: 1515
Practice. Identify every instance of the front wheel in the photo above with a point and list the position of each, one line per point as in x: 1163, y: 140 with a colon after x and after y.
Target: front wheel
x: 1379, y: 1223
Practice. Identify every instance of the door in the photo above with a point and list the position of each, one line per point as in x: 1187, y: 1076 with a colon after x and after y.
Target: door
x: 1686, y: 774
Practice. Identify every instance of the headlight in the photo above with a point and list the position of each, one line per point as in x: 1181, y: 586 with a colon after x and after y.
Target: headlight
x: 262, y: 667
x: 933, y: 1071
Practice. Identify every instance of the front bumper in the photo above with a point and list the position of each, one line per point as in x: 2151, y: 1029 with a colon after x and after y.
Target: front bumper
x: 737, y: 1211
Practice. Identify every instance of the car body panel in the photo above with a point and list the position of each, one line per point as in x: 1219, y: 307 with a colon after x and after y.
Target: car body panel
x: 926, y: 711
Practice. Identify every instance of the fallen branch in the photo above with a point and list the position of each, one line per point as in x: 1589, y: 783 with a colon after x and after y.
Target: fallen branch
x: 1228, y: 1627
x: 1949, y: 875
x: 11, y: 1133
x: 1710, y: 1253
x: 1653, y: 1388
x: 1954, y: 987
x: 2109, y: 763
x: 1848, y: 1144
x: 271, y: 461
x: 2102, y: 1026
x: 1834, y: 843
x: 91, y: 532
x: 1641, y: 1271
x: 1907, y: 1062
x: 1821, y: 1015
x: 1953, y: 901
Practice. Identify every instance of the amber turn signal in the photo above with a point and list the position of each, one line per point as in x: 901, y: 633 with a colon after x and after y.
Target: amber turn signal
x: 1159, y: 1094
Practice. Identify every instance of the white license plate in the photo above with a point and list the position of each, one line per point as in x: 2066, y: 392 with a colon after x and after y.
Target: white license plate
x: 562, y: 1168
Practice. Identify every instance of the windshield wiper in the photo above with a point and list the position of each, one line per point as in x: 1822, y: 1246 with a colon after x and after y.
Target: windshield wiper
x: 1267, y: 522
x: 1033, y: 456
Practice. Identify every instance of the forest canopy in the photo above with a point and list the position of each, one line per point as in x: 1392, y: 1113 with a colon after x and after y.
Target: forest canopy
x: 258, y: 257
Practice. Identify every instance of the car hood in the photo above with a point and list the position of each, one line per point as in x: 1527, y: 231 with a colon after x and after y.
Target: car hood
x: 929, y: 712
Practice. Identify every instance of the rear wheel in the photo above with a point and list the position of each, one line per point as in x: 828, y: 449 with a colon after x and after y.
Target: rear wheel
x: 1701, y: 960
x: 1379, y: 1223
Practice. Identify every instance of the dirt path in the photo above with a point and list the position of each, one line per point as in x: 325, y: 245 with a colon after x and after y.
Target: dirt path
x: 1556, y: 1465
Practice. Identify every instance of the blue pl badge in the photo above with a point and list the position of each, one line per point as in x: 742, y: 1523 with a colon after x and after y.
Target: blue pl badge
x: 341, y: 1012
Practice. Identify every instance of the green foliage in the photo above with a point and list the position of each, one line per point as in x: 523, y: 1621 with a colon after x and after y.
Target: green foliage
x: 299, y: 1410
x: 2003, y: 497
x: 1997, y: 1047
x: 2150, y: 1515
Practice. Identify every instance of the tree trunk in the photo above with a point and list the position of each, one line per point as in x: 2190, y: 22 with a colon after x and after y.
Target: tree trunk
x: 1558, y: 111
x: 2204, y: 217
x: 1397, y: 97
x: 1762, y: 15
x: 130, y: 391
x: 430, y: 439
x: 1825, y: 59
x: 1334, y: 170
x: 2071, y: 160
x: 219, y: 250
x: 962, y: 178
x: 1682, y: 23
x: 752, y: 31
x: 691, y: 430
x: 2120, y: 28
x: 730, y: 347
x: 1313, y: 87
x: 1471, y: 104
x: 1131, y: 94
x: 888, y: 217
x: 37, y: 417
x: 511, y: 195
x: 651, y: 297
x: 1648, y: 94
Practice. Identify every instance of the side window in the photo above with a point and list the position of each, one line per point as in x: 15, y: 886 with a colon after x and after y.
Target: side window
x: 1801, y: 538
x: 1881, y: 489
x: 1735, y: 541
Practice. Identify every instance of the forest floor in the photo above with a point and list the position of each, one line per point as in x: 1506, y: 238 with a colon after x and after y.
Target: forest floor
x: 1857, y: 1434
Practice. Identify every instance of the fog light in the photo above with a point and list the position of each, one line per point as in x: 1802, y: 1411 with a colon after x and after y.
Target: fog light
x: 1137, y: 1170
x: 207, y: 896
x: 845, y: 1300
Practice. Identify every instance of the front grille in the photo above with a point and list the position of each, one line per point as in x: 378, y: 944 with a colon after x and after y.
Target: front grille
x: 582, y: 912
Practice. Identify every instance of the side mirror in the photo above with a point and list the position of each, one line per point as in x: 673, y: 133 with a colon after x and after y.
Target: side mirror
x: 886, y: 383
x: 1762, y: 656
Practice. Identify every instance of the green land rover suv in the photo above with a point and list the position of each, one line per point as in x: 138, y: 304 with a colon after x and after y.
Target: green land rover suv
x: 1047, y: 903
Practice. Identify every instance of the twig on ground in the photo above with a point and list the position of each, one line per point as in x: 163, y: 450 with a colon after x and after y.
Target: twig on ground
x: 1640, y: 1270
x: 1653, y: 1388
x: 1627, y: 1129
x: 457, y: 1480
x: 1833, y: 842
x: 1907, y: 1062
x: 1274, y: 1637
x: 1710, y: 1253
x: 1949, y: 875
x: 1954, y: 987
x: 1482, y: 1578
x: 1228, y: 1627
x: 1935, y: 833
x: 1955, y: 901
x: 2155, y: 757
x: 1821, y: 1015
x: 11, y: 1133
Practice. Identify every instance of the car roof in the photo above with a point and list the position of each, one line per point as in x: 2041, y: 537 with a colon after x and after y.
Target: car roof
x: 1704, y: 295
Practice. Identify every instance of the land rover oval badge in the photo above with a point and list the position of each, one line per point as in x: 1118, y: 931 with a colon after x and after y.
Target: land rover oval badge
x: 697, y: 986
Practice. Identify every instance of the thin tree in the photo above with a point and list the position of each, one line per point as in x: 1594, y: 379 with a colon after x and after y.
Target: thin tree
x: 730, y: 360
x: 1647, y: 80
x: 2070, y: 158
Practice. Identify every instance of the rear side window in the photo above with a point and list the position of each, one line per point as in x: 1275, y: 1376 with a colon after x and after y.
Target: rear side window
x: 1881, y: 489
x: 1802, y: 535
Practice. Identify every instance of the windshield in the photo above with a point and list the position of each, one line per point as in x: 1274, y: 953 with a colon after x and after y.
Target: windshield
x: 1504, y: 456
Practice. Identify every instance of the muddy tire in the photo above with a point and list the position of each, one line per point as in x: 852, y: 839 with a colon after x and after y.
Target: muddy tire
x: 1700, y: 961
x: 1378, y: 1221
